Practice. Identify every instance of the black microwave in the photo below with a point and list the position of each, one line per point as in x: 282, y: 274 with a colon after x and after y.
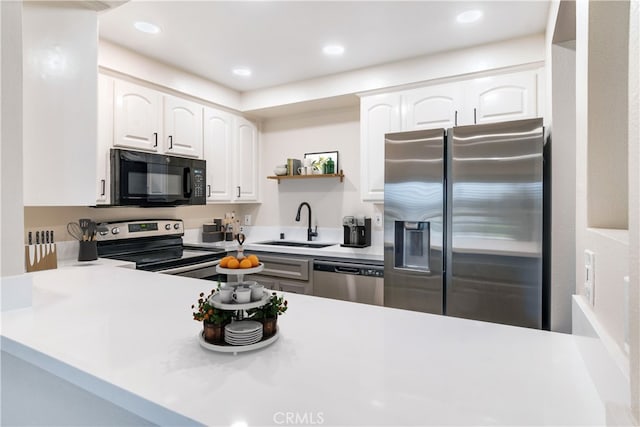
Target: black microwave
x: 146, y: 179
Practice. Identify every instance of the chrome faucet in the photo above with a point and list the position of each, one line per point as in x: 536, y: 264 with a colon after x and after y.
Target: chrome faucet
x: 310, y: 233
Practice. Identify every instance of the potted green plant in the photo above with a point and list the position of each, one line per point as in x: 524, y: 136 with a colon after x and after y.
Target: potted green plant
x: 213, y: 319
x: 268, y: 314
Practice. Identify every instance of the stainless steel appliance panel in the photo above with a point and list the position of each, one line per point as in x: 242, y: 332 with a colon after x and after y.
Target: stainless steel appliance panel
x: 348, y: 281
x: 494, y: 268
x: 414, y: 220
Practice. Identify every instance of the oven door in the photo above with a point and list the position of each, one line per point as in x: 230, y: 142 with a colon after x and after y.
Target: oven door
x: 203, y: 270
x: 144, y: 179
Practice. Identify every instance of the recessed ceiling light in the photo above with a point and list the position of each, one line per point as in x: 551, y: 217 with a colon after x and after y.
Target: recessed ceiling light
x: 242, y: 71
x: 146, y: 27
x: 333, y: 49
x: 469, y: 16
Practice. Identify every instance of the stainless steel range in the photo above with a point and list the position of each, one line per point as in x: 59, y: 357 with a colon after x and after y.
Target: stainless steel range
x: 156, y: 245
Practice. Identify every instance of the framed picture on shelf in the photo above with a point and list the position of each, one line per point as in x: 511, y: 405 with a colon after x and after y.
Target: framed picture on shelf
x: 320, y: 159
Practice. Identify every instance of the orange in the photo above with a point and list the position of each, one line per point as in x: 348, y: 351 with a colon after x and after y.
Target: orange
x: 225, y: 261
x: 254, y: 260
x: 245, y: 263
x: 233, y: 263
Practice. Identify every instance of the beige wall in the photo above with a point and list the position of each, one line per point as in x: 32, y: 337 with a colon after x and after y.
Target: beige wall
x: 330, y: 200
x: 56, y: 218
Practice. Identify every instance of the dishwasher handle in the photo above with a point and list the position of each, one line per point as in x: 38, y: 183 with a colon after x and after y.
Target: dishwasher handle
x: 346, y: 270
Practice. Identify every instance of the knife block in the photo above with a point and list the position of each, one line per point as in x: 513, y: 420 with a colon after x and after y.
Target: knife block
x: 40, y: 257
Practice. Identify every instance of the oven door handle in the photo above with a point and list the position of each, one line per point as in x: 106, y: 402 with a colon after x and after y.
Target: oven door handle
x: 184, y: 268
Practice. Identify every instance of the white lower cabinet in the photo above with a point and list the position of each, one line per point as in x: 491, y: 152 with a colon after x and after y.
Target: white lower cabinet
x: 231, y: 152
x: 491, y: 99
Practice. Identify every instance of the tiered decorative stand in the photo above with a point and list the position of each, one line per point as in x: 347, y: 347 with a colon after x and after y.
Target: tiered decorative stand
x: 239, y: 313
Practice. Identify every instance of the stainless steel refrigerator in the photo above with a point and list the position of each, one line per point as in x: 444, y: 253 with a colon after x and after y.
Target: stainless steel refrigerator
x: 464, y: 222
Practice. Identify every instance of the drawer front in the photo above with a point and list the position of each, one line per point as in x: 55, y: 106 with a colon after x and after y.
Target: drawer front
x: 286, y: 267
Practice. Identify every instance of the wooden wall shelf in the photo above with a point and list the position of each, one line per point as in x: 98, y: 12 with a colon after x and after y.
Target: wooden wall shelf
x: 330, y: 175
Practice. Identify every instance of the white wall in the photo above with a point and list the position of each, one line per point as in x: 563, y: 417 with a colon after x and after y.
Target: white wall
x: 504, y: 54
x: 116, y: 58
x: 330, y: 200
x: 634, y: 207
x: 610, y: 247
x: 11, y: 220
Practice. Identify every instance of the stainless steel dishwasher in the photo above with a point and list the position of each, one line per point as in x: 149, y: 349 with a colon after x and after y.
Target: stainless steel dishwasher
x: 349, y: 281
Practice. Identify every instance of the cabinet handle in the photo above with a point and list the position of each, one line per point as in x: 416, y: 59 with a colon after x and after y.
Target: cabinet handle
x: 170, y: 142
x: 104, y: 187
x: 455, y: 120
x: 475, y: 122
x: 209, y: 190
x: 155, y: 144
x: 238, y: 187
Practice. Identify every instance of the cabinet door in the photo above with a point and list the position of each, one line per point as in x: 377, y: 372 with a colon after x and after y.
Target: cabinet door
x: 269, y: 283
x: 182, y: 127
x: 246, y: 161
x: 432, y: 107
x: 295, y: 287
x: 379, y: 114
x: 105, y: 138
x: 138, y: 113
x: 218, y: 143
x: 502, y: 98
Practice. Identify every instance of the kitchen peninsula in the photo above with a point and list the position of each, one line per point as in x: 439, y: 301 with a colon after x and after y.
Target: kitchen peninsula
x: 127, y: 337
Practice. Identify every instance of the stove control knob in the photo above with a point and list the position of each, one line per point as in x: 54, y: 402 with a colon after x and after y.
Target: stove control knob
x: 176, y: 225
x: 115, y: 230
x: 167, y: 227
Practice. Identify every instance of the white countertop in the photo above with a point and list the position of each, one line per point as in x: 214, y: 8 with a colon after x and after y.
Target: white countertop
x: 128, y: 336
x: 256, y: 235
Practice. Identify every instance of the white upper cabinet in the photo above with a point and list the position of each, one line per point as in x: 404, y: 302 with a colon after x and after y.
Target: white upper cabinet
x: 105, y: 138
x: 502, y: 98
x: 490, y: 99
x: 246, y: 164
x: 218, y: 145
x: 182, y: 127
x: 231, y: 152
x: 59, y: 110
x: 379, y: 114
x: 137, y: 117
x: 432, y: 107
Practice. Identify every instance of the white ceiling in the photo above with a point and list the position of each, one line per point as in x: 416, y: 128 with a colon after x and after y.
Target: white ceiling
x: 282, y: 41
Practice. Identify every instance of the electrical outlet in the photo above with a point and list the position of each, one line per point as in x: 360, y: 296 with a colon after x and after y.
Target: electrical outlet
x: 377, y: 220
x: 247, y: 220
x: 589, y: 276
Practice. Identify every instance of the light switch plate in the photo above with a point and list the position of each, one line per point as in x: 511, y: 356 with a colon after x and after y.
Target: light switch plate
x: 377, y: 220
x: 589, y: 276
x: 247, y: 220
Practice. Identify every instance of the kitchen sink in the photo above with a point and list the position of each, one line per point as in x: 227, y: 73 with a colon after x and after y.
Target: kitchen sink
x: 295, y: 244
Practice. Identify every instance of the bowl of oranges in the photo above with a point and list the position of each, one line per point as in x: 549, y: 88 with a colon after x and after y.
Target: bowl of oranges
x: 247, y: 265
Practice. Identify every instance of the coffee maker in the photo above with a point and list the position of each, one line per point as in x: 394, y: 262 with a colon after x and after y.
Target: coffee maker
x: 357, y: 231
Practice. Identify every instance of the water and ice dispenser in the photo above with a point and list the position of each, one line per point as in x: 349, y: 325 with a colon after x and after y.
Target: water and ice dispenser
x: 412, y: 245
